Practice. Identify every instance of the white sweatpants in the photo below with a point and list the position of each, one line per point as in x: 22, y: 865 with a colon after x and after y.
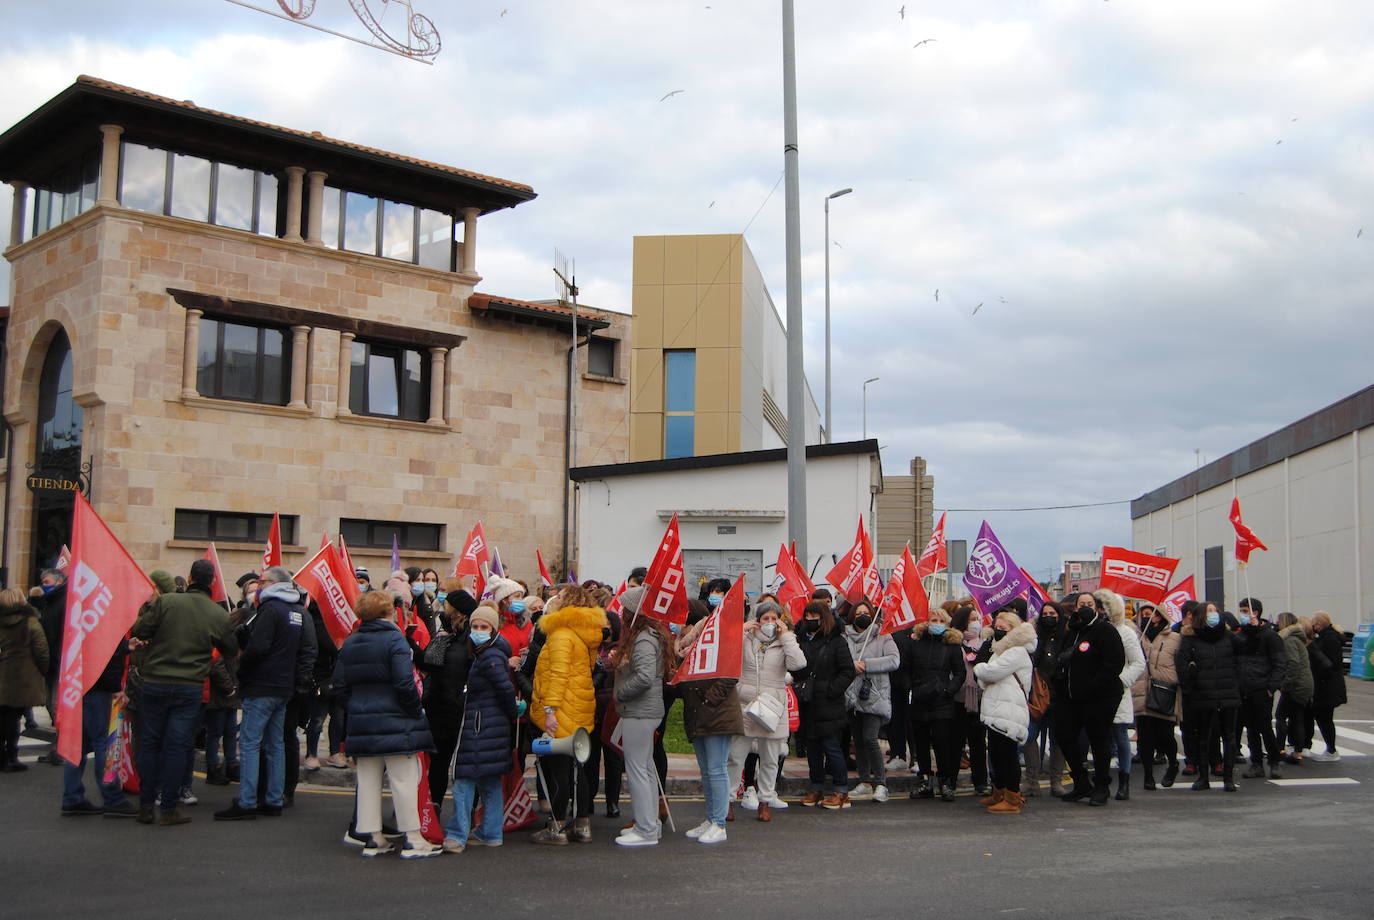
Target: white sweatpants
x: 769, y: 750
x: 403, y: 774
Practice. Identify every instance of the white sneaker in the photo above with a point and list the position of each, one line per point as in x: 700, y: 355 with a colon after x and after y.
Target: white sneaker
x: 895, y: 763
x: 776, y: 802
x: 750, y: 799
x: 187, y: 797
x: 861, y: 792
x: 418, y: 850
x: 879, y: 793
x: 630, y: 838
x: 696, y: 832
x: 714, y: 833
x: 1327, y: 757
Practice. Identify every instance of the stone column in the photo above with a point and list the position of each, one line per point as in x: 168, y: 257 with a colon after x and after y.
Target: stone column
x: 345, y: 373
x: 21, y: 195
x: 316, y: 207
x: 109, y: 165
x: 295, y: 176
x: 470, y: 240
x: 436, y: 385
x: 300, y: 351
x: 191, y: 355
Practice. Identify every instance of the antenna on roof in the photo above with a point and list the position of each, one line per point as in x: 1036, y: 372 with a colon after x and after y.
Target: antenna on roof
x: 565, y: 289
x: 421, y: 41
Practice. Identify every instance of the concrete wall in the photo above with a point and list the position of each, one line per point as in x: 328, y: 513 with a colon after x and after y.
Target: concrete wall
x: 1315, y: 512
x: 621, y: 521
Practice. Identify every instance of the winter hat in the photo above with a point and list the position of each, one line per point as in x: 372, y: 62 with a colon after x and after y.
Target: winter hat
x: 163, y: 580
x: 486, y: 614
x: 398, y: 586
x: 630, y: 600
x: 501, y: 588
x: 245, y: 578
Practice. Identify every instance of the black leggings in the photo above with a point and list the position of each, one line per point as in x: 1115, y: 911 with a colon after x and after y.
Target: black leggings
x: 976, y: 738
x: 1212, y: 723
x: 1289, y: 722
x: 1073, y: 719
x: 945, y: 736
x: 1257, y: 710
x: 1002, y: 754
x: 558, y: 773
x: 1155, y: 736
x: 9, y: 735
x: 615, y: 764
x: 899, y: 726
x: 1325, y: 717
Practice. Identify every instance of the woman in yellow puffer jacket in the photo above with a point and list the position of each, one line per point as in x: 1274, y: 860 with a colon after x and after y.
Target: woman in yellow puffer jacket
x: 564, y: 700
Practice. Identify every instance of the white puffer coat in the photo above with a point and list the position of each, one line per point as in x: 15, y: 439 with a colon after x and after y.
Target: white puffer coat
x: 1006, y: 682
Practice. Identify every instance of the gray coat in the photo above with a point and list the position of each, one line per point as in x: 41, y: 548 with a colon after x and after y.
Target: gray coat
x: 881, y: 658
x: 639, y: 683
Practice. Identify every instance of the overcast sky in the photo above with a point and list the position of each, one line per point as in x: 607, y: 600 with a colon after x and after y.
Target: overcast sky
x: 1156, y: 202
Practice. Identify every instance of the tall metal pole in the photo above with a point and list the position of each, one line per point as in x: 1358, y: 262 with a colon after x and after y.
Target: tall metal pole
x: 866, y: 383
x: 796, y: 389
x: 829, y: 432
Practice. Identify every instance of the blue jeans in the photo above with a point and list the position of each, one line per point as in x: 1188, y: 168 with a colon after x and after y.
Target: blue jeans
x: 95, y: 727
x: 1121, y: 743
x: 221, y: 727
x: 493, y: 809
x: 264, y: 722
x: 167, y: 715
x: 712, y: 752
x: 825, y: 764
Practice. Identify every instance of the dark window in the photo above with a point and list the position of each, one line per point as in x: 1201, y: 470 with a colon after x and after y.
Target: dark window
x: 66, y: 192
x: 601, y: 357
x: 230, y: 526
x: 378, y: 534
x: 247, y: 363
x: 389, y: 380
x: 57, y: 450
x: 1214, y: 576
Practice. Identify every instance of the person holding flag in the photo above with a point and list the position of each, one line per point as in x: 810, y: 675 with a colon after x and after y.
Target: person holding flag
x: 641, y: 663
x: 868, y: 701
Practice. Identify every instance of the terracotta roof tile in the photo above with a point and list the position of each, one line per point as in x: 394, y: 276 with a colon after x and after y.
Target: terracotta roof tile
x: 480, y: 301
x: 312, y: 135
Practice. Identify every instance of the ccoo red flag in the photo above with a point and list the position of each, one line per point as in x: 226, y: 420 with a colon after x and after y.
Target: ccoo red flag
x: 218, y: 592
x: 665, y: 586
x: 544, y: 577
x: 344, y: 557
x: 1246, y: 539
x: 271, y: 552
x: 935, y: 556
x: 719, y: 648
x: 64, y: 559
x: 1133, y: 574
x: 104, y: 593
x: 1178, y: 595
x: 855, y: 576
x: 475, y: 560
x: 614, y: 605
x: 904, y: 603
x: 334, y: 589
x: 796, y: 588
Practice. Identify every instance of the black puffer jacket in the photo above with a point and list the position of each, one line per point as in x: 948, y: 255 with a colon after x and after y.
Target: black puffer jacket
x: 376, y: 681
x: 1328, y: 681
x: 1262, y: 661
x: 1047, y: 638
x: 484, y: 747
x: 444, y: 680
x: 1209, y: 667
x: 828, y: 673
x: 900, y: 680
x: 1089, y: 661
x: 935, y: 669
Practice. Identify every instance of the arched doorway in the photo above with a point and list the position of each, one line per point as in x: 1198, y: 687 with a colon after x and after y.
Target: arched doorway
x: 56, y: 452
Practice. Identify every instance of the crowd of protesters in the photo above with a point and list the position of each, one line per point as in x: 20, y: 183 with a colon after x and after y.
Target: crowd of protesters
x: 435, y: 675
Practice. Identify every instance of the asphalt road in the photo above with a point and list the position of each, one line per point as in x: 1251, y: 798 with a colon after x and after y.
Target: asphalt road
x: 1266, y: 851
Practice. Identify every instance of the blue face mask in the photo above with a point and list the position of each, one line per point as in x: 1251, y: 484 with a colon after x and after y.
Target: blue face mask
x: 417, y: 589
x: 440, y: 598
x: 48, y: 589
x: 1213, y: 619
x: 937, y: 629
x: 517, y: 606
x: 480, y: 638
x: 715, y: 599
x: 674, y: 628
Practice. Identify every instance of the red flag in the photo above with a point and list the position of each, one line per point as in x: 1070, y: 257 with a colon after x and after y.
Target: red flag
x: 104, y: 593
x: 334, y: 589
x: 855, y: 576
x: 544, y: 577
x: 665, y: 587
x: 1178, y: 595
x: 475, y: 560
x: 519, y: 805
x: 904, y: 603
x: 218, y: 592
x: 935, y: 556
x: 719, y: 649
x: 64, y: 559
x: 1246, y: 539
x: 1035, y: 597
x: 430, y: 828
x: 345, y: 558
x: 271, y: 553
x: 796, y: 588
x: 614, y: 606
x: 1133, y: 574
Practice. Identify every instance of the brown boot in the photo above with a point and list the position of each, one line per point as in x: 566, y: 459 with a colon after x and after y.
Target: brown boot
x: 581, y: 831
x: 998, y: 795
x: 730, y: 812
x: 173, y: 817
x: 765, y: 812
x: 811, y: 798
x: 1011, y: 805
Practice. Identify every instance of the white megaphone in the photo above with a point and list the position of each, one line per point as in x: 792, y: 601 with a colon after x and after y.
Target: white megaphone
x: 578, y: 745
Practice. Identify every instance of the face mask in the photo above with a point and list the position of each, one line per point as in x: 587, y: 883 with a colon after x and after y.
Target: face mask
x: 674, y: 628
x: 810, y: 626
x: 480, y: 638
x: 48, y: 589
x: 1085, y: 615
x: 769, y: 630
x: 517, y: 606
x: 1049, y: 624
x: 863, y: 622
x: 1153, y: 629
x: 364, y: 586
x: 999, y: 634
x: 440, y: 598
x: 431, y: 586
x: 1213, y: 619
x: 417, y: 589
x: 937, y: 629
x: 715, y: 599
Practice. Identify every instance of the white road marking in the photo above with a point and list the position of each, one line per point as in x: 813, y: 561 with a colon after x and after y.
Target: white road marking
x: 1316, y: 781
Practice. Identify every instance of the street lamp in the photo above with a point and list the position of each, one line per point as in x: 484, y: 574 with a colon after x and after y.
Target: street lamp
x: 844, y: 191
x: 866, y: 383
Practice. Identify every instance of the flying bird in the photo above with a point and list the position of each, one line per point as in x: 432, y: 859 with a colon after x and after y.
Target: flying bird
x: 937, y: 295
x: 1276, y: 143
x: 503, y: 13
x: 901, y: 14
x: 1359, y: 233
x: 667, y: 96
x: 837, y: 243
x: 976, y: 309
x: 924, y: 41
x: 710, y: 206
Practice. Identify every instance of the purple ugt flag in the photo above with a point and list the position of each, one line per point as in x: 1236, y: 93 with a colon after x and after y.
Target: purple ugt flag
x: 395, y: 554
x: 992, y: 577
x: 496, y: 567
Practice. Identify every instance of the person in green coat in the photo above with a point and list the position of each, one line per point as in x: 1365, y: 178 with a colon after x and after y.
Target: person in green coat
x: 23, y: 664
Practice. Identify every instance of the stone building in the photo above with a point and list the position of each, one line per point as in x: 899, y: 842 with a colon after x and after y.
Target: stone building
x: 214, y: 319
